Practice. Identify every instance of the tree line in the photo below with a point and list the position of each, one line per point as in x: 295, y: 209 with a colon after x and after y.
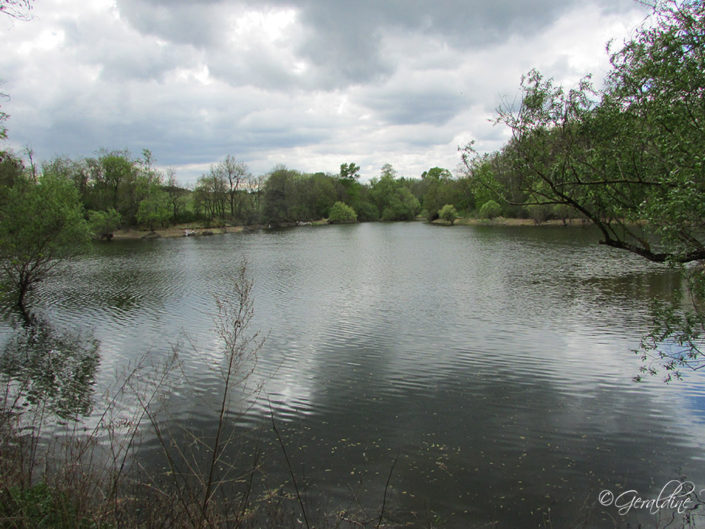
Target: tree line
x: 118, y: 190
x: 51, y: 212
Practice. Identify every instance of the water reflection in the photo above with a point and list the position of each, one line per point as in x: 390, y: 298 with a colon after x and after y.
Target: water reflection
x: 495, y: 364
x: 50, y: 368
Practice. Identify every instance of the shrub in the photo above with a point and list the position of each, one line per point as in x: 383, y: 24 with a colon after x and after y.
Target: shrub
x: 490, y: 210
x: 366, y: 211
x: 341, y: 213
x: 448, y: 213
x: 539, y: 212
x: 564, y: 212
x: 103, y: 223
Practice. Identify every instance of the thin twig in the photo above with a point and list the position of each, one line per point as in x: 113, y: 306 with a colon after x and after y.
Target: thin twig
x: 288, y: 464
x: 386, y: 487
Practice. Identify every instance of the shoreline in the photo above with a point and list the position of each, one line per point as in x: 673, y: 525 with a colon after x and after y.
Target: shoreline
x: 189, y: 230
x: 510, y: 221
x: 180, y: 230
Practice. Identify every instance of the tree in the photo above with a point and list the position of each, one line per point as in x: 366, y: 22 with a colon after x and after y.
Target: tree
x: 341, y: 213
x: 448, y: 213
x: 322, y: 195
x: 349, y: 171
x: 393, y: 199
x: 401, y: 205
x: 629, y: 158
x: 210, y: 194
x: 541, y: 212
x: 154, y: 208
x: 177, y: 197
x: 490, y: 210
x: 278, y: 195
x: 233, y: 173
x: 117, y: 171
x: 437, y: 191
x: 40, y: 224
x: 11, y: 169
x: 103, y: 223
x: 388, y: 171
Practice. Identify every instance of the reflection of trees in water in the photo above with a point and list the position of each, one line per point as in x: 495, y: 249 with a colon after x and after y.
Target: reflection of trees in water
x: 54, y: 368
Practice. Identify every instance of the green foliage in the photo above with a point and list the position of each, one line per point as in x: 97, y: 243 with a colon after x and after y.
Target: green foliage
x: 539, y: 212
x: 278, y: 196
x: 563, y: 212
x: 628, y: 157
x: 394, y: 199
x: 232, y: 175
x: 658, y: 83
x: 113, y: 180
x: 117, y: 172
x: 319, y: 195
x: 388, y: 171
x: 55, y: 369
x: 290, y: 196
x: 402, y: 205
x: 210, y: 195
x: 448, y: 213
x: 341, y: 213
x: 40, y: 223
x: 438, y: 188
x: 154, y: 209
x: 11, y: 169
x: 349, y: 171
x: 676, y: 340
x: 366, y: 211
x: 179, y: 200
x: 103, y: 223
x: 490, y: 210
x: 357, y: 196
x: 42, y: 507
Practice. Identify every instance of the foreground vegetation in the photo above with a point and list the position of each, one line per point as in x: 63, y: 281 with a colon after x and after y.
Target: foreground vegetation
x: 71, y: 458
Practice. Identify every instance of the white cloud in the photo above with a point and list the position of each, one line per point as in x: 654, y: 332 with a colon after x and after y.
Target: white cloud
x: 307, y: 83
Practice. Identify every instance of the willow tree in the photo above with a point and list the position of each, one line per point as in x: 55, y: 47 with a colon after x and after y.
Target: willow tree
x: 630, y: 158
x: 40, y: 224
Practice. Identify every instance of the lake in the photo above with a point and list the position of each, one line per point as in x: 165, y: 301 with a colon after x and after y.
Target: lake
x: 493, y: 364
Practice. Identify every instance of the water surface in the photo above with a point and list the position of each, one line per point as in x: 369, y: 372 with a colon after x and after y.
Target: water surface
x: 494, y: 364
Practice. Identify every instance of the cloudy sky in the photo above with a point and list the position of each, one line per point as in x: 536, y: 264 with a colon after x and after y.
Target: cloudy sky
x: 306, y: 83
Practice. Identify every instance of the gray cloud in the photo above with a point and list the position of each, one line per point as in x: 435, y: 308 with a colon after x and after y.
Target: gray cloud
x: 199, y: 24
x: 345, y: 41
x: 434, y: 106
x: 342, y: 42
x: 311, y: 83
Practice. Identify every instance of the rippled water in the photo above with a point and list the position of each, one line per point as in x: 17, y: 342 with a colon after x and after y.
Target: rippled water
x: 493, y: 363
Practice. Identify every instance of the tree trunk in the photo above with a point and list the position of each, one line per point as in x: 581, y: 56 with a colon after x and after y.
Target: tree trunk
x: 21, y: 303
